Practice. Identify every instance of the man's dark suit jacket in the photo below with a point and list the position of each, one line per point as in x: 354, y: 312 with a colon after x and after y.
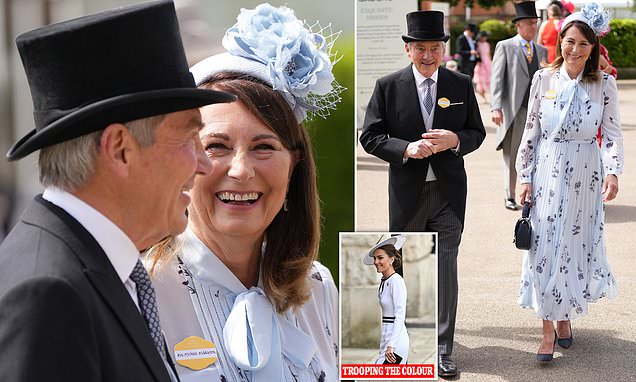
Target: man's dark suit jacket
x: 64, y: 313
x: 462, y: 47
x: 394, y: 119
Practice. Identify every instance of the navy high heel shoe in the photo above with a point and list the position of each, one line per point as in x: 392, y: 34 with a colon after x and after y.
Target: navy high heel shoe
x: 543, y: 358
x: 565, y: 343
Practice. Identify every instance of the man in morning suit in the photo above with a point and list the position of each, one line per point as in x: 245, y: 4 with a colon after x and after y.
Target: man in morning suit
x: 466, y: 47
x: 116, y: 123
x: 422, y: 120
x: 514, y: 63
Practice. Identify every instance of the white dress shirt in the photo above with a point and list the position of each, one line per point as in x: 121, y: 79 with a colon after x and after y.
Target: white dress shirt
x: 428, y: 119
x: 471, y: 44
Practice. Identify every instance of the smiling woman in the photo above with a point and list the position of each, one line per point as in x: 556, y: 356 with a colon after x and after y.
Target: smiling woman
x: 256, y: 152
x: 567, y: 177
x: 578, y: 51
x: 244, y: 274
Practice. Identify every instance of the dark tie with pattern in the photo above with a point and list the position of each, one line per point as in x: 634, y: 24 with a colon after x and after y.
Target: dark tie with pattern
x: 148, y: 305
x: 428, y: 97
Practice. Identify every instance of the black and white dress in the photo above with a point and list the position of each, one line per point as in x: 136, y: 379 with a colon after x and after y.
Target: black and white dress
x: 392, y: 295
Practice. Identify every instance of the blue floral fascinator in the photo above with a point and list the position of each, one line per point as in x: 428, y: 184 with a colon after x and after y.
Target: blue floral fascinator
x: 295, y: 58
x: 593, y: 15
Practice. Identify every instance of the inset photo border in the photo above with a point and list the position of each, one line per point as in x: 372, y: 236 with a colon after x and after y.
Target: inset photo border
x: 382, y: 305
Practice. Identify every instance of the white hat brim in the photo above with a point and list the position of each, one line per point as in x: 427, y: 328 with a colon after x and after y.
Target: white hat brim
x: 225, y: 62
x: 397, y: 241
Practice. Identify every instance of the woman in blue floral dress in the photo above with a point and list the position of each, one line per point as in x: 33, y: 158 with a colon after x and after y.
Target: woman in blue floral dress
x: 567, y: 177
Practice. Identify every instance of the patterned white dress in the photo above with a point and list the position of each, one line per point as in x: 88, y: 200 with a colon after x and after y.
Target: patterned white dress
x: 567, y: 266
x: 196, y: 295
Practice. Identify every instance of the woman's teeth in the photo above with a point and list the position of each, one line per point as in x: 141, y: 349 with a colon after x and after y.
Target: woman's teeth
x: 227, y: 196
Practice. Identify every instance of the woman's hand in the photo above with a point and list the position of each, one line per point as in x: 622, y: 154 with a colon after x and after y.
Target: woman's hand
x: 526, y: 193
x: 610, y: 187
x: 389, y: 355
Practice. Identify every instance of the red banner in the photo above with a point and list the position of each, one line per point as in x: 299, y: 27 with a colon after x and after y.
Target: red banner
x: 386, y: 371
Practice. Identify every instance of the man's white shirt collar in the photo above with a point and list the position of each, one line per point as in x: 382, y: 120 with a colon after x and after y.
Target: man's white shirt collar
x: 523, y: 42
x: 119, y: 249
x: 419, y: 78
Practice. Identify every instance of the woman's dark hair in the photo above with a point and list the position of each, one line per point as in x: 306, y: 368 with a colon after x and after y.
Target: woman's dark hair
x: 293, y: 237
x: 482, y: 34
x: 391, y: 251
x: 590, y: 72
x: 557, y: 3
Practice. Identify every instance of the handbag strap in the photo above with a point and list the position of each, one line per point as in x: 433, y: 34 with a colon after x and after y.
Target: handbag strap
x: 526, y: 210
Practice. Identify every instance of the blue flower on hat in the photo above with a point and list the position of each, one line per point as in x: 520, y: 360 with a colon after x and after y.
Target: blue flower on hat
x: 298, y: 61
x: 260, y: 33
x: 597, y: 18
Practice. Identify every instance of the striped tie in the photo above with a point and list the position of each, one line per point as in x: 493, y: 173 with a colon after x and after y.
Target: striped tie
x: 428, y: 97
x: 528, y: 52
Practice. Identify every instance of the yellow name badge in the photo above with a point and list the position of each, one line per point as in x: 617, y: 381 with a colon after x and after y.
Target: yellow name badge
x: 195, y: 353
x: 550, y: 94
x: 443, y: 102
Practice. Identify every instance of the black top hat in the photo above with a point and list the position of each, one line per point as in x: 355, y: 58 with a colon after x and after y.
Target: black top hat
x: 425, y: 26
x: 113, y: 66
x: 470, y: 27
x: 525, y: 10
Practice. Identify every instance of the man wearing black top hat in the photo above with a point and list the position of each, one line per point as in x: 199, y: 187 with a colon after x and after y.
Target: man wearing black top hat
x: 116, y: 122
x: 466, y: 47
x: 423, y: 119
x: 514, y: 63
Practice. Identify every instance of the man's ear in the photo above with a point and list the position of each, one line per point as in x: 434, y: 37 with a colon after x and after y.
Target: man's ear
x: 116, y: 147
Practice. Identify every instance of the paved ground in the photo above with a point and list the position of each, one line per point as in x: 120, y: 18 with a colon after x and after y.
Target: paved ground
x: 495, y: 339
x: 422, y: 350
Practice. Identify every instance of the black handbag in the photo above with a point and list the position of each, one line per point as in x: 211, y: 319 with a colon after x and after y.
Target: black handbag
x: 398, y: 359
x: 523, y: 229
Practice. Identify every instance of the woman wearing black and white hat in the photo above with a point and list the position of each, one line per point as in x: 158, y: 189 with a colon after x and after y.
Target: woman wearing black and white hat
x: 385, y: 256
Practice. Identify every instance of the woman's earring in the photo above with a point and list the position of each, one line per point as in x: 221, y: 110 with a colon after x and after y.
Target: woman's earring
x: 285, y: 205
